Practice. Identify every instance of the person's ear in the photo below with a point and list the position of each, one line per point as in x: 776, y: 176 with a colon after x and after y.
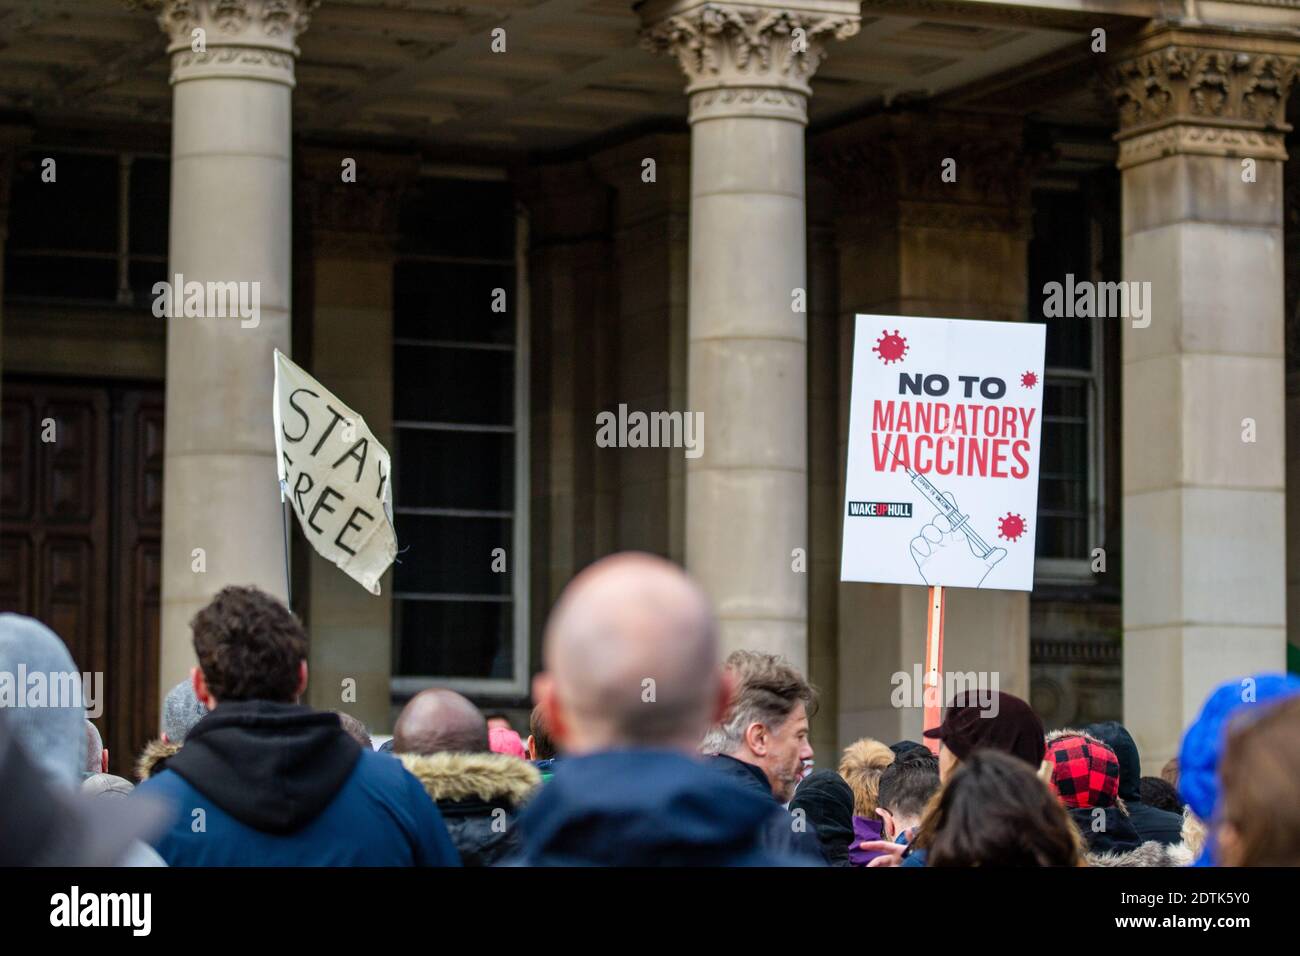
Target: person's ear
x: 756, y: 739
x: 544, y: 697
x: 201, y: 692
x: 302, y: 680
x: 103, y: 761
x: 890, y: 830
x: 531, y: 747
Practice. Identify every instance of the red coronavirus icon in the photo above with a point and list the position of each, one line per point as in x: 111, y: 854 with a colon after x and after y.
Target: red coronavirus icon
x: 1011, y: 527
x: 890, y: 348
x: 1029, y: 380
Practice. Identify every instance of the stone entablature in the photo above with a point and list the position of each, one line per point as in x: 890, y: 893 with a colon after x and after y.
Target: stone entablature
x: 891, y: 167
x: 357, y: 216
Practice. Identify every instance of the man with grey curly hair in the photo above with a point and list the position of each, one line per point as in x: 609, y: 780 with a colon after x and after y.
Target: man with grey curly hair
x: 762, y: 740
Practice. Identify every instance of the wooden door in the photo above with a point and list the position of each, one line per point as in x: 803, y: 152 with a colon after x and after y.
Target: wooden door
x: 80, y: 531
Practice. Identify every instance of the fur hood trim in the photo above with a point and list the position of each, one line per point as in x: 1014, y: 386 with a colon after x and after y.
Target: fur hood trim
x: 1151, y: 853
x: 155, y: 752
x: 1055, y: 735
x: 487, y: 776
x: 1193, y: 835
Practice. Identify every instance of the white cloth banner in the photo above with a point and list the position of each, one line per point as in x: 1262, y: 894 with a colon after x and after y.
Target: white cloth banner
x: 944, y: 424
x: 335, y: 475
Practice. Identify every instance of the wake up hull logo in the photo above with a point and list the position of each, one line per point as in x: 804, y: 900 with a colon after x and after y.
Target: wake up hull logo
x: 880, y: 509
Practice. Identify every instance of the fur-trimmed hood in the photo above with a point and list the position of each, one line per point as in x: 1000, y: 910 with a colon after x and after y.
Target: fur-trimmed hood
x: 153, y: 758
x: 1150, y: 853
x: 486, y: 777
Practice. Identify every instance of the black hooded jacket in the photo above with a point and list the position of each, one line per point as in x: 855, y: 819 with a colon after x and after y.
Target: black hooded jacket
x: 1149, y: 822
x: 272, y: 766
x: 479, y: 796
x: 827, y: 803
x: 1105, y: 830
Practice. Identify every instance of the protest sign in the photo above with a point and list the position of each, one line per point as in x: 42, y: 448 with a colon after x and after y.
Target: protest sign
x: 942, y: 479
x: 335, y: 476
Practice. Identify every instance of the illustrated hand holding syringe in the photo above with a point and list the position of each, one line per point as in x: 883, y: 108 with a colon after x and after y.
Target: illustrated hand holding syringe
x: 936, y: 550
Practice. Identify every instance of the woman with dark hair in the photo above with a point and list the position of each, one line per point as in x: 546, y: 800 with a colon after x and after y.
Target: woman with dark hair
x: 1259, y: 823
x: 995, y: 811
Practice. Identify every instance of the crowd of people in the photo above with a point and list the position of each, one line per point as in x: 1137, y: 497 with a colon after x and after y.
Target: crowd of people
x: 643, y: 748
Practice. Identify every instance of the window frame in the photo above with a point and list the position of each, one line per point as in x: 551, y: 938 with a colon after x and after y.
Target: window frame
x: 405, y: 686
x: 1058, y: 570
x: 122, y: 255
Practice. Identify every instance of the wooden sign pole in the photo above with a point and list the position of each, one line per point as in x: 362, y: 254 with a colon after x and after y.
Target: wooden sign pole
x: 933, y: 690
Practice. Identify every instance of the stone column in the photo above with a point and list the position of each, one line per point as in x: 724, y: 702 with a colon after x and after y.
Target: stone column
x: 347, y: 232
x: 232, y: 73
x: 748, y: 68
x: 911, y: 243
x: 1204, y: 509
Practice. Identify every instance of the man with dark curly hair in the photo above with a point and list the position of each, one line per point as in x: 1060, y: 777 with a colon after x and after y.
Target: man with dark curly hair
x: 265, y: 781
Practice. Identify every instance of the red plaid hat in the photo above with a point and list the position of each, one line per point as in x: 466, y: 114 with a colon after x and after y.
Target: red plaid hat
x: 1085, y: 772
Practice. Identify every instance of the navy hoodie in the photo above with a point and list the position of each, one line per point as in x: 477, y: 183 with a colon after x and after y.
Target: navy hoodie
x: 648, y: 808
x: 283, y: 785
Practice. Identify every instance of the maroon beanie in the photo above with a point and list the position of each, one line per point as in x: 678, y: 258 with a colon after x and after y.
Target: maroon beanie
x: 1008, y: 724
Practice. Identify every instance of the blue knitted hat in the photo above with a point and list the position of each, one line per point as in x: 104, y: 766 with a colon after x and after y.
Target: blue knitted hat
x: 1198, y: 761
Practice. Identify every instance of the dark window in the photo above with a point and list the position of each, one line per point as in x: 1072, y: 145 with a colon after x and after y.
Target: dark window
x: 65, y: 235
x: 456, y: 445
x: 1062, y: 246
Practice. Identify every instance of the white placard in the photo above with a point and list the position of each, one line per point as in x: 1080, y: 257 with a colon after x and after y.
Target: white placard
x: 334, y: 474
x: 944, y: 424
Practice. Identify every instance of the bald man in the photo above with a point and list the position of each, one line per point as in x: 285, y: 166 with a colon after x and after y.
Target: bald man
x: 442, y: 738
x: 439, y: 720
x: 631, y: 683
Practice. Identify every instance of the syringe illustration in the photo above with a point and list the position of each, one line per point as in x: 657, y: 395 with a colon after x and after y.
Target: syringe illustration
x: 947, y: 506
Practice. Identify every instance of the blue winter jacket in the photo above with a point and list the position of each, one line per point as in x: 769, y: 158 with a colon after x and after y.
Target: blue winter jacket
x: 648, y: 808
x: 268, y: 784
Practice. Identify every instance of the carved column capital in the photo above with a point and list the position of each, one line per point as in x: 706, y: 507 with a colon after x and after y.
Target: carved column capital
x: 1203, y: 93
x: 254, y: 39
x: 747, y: 59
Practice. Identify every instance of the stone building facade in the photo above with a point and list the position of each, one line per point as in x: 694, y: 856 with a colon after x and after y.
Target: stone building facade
x: 482, y: 225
